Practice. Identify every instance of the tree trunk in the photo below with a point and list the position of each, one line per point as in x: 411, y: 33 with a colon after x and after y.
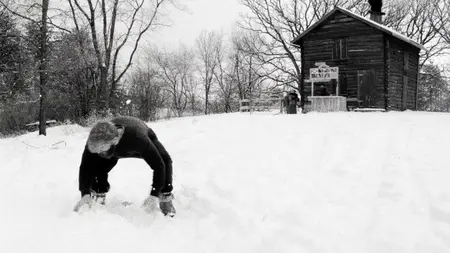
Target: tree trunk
x: 206, y: 101
x: 103, y: 98
x: 43, y: 70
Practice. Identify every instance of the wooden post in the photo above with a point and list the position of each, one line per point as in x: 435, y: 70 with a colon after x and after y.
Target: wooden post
x: 337, y: 87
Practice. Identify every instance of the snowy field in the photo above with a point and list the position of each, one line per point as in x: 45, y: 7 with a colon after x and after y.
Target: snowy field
x: 337, y: 182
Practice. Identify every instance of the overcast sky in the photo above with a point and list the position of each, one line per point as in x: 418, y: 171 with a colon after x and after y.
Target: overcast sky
x: 199, y: 15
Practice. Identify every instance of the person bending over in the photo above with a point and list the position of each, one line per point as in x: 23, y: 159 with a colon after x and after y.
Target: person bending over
x: 124, y: 137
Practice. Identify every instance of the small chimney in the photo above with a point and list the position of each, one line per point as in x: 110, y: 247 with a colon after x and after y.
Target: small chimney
x: 375, y: 10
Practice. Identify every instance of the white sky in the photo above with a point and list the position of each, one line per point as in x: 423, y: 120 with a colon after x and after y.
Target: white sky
x: 199, y: 15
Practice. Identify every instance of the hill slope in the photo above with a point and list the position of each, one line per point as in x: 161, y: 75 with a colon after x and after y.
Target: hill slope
x: 340, y: 182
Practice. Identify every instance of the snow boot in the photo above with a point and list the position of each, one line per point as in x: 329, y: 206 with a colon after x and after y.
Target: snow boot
x: 165, y: 204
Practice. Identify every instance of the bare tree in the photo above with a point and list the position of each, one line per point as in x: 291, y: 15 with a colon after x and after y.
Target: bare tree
x: 73, y: 66
x: 175, y: 69
x: 248, y: 68
x: 434, y: 91
x: 139, y: 18
x: 193, y: 95
x: 224, y: 77
x: 146, y: 92
x: 442, y: 18
x: 420, y: 20
x: 207, y: 44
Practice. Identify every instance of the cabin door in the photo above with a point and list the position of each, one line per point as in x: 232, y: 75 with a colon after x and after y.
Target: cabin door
x: 366, y: 87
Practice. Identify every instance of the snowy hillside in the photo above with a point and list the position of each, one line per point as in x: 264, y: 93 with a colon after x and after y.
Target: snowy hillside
x: 338, y: 182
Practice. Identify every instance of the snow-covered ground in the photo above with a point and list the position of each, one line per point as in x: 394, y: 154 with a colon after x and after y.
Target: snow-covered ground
x: 336, y: 182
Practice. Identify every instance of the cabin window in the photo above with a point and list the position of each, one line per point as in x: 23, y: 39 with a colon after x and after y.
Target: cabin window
x: 340, y: 48
x: 343, y: 85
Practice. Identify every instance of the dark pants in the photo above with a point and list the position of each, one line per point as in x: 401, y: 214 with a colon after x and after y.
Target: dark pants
x: 100, y: 182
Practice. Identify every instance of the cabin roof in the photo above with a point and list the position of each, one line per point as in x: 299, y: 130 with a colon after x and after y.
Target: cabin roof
x: 365, y: 20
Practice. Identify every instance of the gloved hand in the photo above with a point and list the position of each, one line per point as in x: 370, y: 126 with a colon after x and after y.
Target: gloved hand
x: 85, y: 200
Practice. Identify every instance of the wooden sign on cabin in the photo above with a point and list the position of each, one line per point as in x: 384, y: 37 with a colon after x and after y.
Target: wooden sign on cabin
x: 323, y: 73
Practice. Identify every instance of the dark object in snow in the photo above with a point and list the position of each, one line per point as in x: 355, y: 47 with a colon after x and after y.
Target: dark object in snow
x: 291, y: 100
x: 124, y: 137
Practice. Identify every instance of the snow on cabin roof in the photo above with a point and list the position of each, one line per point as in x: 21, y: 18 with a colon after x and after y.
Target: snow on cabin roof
x: 368, y: 21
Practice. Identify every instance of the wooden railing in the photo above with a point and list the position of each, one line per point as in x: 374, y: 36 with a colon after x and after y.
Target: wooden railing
x: 328, y: 103
x: 259, y: 104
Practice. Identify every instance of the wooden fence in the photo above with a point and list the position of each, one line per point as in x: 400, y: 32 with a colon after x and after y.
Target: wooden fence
x: 259, y: 104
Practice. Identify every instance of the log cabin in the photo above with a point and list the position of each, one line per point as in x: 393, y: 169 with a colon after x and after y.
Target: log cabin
x: 378, y: 67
